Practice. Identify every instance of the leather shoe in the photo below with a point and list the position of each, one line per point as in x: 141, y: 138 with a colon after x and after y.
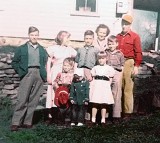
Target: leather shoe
x: 92, y: 124
x: 26, y: 126
x: 103, y: 125
x: 14, y: 128
x: 127, y: 117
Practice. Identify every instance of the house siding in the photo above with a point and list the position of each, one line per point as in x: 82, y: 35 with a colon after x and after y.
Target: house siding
x: 51, y: 16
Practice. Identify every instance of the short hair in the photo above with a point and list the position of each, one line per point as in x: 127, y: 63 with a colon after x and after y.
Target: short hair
x: 89, y: 32
x: 69, y: 60
x: 60, y: 37
x: 32, y: 29
x: 112, y: 38
x: 103, y: 26
x: 102, y: 54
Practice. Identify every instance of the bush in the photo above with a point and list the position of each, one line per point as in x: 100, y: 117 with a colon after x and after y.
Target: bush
x: 5, y: 110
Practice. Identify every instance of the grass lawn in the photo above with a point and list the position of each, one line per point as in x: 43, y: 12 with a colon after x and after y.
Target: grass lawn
x: 144, y: 129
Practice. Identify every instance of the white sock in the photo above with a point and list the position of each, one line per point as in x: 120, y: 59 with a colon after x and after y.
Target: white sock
x: 93, y: 119
x: 102, y: 120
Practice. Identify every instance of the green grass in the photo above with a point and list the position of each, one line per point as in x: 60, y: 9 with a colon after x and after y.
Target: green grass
x: 144, y: 129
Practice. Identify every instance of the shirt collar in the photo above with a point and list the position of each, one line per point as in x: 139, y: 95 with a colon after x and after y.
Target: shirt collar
x: 91, y: 46
x: 31, y: 45
x: 128, y: 33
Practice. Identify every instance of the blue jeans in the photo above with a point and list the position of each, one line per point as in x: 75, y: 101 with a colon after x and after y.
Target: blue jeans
x: 78, y: 113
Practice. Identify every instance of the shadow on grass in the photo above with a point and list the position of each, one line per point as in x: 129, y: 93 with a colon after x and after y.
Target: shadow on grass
x: 141, y: 129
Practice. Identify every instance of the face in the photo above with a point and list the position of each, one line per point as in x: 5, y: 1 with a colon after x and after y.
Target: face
x: 101, y: 34
x: 112, y: 45
x: 66, y: 67
x: 125, y: 26
x: 33, y: 37
x: 66, y: 40
x: 88, y: 39
x: 102, y: 61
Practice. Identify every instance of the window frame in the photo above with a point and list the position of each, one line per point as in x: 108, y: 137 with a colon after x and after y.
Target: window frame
x: 74, y: 12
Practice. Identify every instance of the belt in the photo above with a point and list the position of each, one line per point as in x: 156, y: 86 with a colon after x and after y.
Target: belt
x: 128, y: 58
x: 34, y: 67
x: 101, y: 77
x: 118, y: 69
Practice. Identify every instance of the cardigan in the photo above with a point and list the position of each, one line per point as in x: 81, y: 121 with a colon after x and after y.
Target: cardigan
x: 20, y: 61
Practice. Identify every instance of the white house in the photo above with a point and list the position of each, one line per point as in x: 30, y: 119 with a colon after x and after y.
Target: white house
x: 51, y: 16
x: 75, y: 16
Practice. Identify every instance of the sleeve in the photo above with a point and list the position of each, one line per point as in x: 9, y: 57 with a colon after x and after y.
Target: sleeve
x: 77, y: 56
x: 16, y: 60
x: 138, y: 51
x: 122, y: 59
x: 112, y: 72
x: 87, y: 91
x: 93, y: 71
x: 46, y: 56
x: 72, y: 91
x: 73, y: 52
x: 58, y: 78
x: 50, y: 51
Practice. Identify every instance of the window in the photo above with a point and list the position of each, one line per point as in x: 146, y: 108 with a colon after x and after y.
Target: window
x: 85, y: 8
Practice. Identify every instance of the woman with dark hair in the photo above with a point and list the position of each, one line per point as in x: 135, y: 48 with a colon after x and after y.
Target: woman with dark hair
x: 102, y: 32
x: 57, y: 53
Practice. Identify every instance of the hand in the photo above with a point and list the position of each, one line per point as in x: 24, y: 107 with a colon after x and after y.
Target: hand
x: 86, y: 103
x: 49, y: 80
x: 72, y: 101
x: 55, y: 85
x: 135, y: 71
x: 89, y: 78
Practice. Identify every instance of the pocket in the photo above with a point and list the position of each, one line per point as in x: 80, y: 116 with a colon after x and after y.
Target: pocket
x: 23, y: 59
x: 129, y: 46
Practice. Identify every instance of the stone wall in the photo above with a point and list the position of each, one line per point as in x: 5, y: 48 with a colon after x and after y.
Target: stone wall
x: 147, y: 82
x: 14, y: 41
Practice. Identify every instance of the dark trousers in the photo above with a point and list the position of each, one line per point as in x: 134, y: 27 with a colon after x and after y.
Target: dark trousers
x: 63, y: 114
x: 78, y: 113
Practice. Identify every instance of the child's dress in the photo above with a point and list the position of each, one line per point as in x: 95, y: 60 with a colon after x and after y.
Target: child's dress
x: 100, y: 87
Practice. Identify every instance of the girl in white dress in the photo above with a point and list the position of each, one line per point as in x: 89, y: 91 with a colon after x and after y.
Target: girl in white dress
x: 57, y: 53
x: 100, y: 87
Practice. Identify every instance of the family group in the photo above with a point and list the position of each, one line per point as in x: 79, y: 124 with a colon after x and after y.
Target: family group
x: 92, y: 80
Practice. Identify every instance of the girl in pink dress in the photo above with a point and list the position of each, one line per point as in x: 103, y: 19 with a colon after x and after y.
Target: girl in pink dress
x: 57, y: 53
x: 100, y: 87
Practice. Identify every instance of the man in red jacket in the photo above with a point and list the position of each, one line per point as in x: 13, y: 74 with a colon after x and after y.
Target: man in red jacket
x: 130, y: 46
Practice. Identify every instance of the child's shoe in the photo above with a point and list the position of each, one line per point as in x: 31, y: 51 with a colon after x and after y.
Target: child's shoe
x: 73, y: 124
x: 80, y: 124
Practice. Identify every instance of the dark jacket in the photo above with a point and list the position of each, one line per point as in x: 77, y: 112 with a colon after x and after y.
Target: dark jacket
x: 79, y: 92
x: 20, y: 61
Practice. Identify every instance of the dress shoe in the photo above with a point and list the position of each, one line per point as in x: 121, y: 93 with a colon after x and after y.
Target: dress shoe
x: 103, y: 125
x: 26, y: 126
x: 127, y: 116
x: 92, y: 124
x: 80, y: 124
x: 73, y: 124
x: 14, y: 128
x: 49, y: 122
x: 116, y: 120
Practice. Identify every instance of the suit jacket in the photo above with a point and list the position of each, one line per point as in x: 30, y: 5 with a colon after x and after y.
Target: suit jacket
x: 20, y: 61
